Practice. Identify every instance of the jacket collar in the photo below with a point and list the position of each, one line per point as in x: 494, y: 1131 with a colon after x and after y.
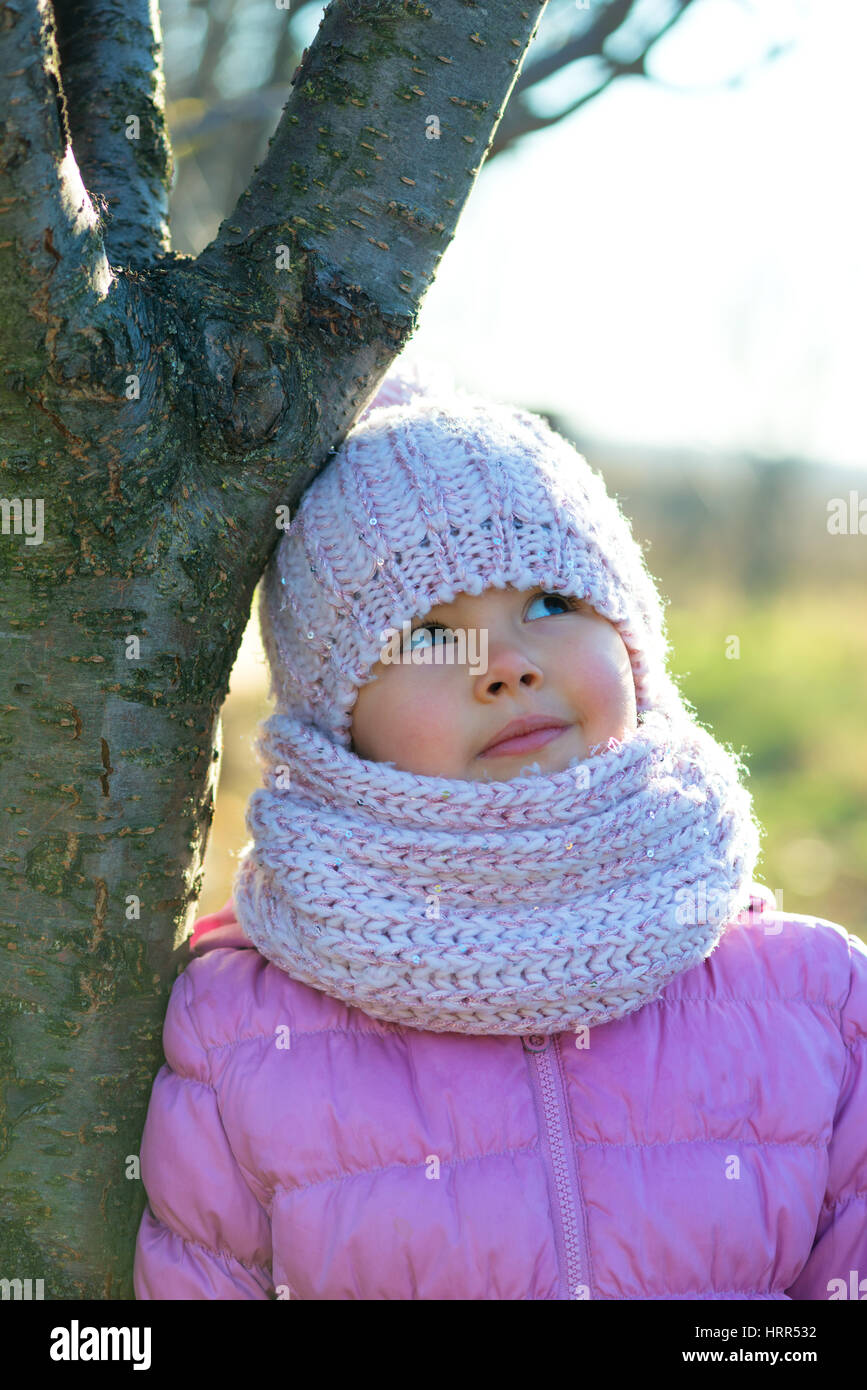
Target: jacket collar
x: 230, y: 934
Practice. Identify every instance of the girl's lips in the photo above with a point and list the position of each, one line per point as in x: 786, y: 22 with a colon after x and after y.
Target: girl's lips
x: 524, y: 743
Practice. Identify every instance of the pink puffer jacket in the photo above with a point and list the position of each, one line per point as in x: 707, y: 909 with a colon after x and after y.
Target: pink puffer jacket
x: 712, y: 1145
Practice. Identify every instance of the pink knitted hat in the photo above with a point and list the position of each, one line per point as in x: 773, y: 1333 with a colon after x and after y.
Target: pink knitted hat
x: 433, y: 493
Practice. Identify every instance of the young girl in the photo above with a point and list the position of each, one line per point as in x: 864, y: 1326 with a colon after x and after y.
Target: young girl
x: 500, y: 1012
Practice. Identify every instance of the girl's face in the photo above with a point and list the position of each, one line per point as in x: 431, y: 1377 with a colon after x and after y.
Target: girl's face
x: 548, y: 654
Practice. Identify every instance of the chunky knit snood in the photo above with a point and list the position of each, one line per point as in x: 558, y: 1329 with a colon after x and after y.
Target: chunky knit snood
x: 529, y: 906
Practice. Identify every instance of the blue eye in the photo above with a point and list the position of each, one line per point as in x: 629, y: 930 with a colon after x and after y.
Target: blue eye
x: 568, y: 602
x: 427, y: 628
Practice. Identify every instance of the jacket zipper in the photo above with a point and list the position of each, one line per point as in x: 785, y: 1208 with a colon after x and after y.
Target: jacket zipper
x: 553, y: 1102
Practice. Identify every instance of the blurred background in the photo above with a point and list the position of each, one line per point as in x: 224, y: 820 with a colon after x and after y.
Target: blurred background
x: 663, y: 254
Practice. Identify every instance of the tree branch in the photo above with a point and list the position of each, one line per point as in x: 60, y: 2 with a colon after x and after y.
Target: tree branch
x: 53, y: 266
x: 362, y: 189
x: 111, y: 66
x: 218, y: 22
x: 586, y: 43
x: 520, y: 120
x: 192, y: 134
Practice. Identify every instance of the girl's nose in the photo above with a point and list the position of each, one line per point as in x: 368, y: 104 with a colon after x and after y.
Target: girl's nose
x: 508, y: 667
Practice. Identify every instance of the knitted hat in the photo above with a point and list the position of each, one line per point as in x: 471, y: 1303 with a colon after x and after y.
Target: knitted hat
x: 433, y: 493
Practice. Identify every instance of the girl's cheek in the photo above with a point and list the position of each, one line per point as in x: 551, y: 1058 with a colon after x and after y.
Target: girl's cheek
x: 424, y: 710
x: 402, y: 708
x: 607, y: 686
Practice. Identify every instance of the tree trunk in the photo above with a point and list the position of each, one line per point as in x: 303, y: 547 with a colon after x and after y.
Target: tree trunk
x: 157, y: 410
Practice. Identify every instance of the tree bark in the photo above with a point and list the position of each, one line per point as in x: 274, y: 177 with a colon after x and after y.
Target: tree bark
x: 161, y: 408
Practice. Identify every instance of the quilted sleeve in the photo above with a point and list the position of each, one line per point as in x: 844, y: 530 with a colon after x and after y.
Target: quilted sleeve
x: 837, y: 1263
x: 203, y: 1234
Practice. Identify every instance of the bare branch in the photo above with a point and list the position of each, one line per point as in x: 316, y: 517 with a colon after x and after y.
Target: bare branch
x: 361, y: 187
x: 587, y: 42
x: 193, y: 134
x: 218, y: 23
x: 52, y: 259
x: 111, y: 66
x: 526, y: 122
x: 519, y: 120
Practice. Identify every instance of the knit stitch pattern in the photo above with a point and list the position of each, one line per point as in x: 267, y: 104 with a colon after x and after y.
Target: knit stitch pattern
x: 498, y: 908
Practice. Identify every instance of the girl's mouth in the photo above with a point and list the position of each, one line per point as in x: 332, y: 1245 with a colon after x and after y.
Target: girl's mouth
x: 524, y: 743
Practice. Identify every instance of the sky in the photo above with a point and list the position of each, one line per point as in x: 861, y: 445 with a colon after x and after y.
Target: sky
x: 682, y: 267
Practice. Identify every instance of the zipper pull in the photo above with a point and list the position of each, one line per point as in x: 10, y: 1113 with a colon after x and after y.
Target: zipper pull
x: 535, y: 1042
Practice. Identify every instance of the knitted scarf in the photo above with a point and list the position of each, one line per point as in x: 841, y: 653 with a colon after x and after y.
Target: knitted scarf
x: 532, y: 905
